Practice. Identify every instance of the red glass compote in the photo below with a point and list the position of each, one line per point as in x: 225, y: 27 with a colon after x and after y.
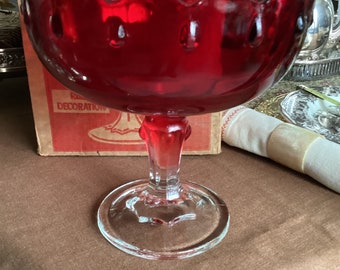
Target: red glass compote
x: 166, y: 59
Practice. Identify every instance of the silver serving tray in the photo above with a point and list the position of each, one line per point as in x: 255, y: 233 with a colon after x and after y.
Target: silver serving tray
x: 310, y: 112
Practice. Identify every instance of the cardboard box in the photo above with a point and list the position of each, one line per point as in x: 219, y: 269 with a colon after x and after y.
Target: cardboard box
x: 67, y: 124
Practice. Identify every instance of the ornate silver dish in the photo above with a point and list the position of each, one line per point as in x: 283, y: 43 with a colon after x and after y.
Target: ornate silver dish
x: 310, y: 112
x: 312, y: 70
x: 320, y: 54
x: 11, y: 51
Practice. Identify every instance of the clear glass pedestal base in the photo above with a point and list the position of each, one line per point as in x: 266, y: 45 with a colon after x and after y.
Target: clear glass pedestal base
x: 137, y: 222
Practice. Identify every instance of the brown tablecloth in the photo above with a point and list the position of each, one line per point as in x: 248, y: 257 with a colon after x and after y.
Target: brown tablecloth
x: 279, y: 219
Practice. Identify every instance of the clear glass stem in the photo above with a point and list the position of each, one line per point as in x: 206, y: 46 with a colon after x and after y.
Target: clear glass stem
x: 163, y: 218
x: 164, y: 137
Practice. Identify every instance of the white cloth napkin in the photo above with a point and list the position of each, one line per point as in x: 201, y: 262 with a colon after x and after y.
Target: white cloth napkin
x: 297, y: 148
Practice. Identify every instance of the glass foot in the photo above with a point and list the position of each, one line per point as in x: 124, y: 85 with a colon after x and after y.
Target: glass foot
x: 137, y: 222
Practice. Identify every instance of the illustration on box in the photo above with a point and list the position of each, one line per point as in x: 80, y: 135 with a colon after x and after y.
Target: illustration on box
x: 123, y: 130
